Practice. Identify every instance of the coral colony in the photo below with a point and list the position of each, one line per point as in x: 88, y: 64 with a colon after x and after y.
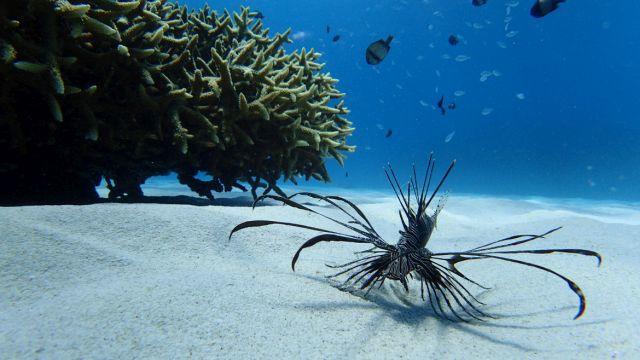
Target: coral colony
x: 128, y: 90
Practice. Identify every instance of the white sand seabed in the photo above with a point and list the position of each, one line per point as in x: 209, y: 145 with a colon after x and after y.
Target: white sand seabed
x: 163, y: 281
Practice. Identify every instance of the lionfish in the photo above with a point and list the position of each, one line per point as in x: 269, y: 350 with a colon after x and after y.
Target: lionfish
x: 409, y: 258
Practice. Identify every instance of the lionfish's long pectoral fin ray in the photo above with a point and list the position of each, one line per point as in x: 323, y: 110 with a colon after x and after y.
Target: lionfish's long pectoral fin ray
x: 456, y: 286
x: 513, y: 237
x: 448, y: 284
x: 363, y: 271
x: 572, y: 285
x: 452, y: 291
x: 519, y: 242
x: 448, y: 273
x: 379, y: 279
x: 551, y: 251
x: 258, y: 223
x: 296, y: 205
x: 330, y: 199
x: 438, y: 302
x: 376, y: 268
x: 360, y: 260
x: 442, y: 287
x: 451, y: 262
x: 355, y: 208
x: 375, y: 275
x: 321, y: 238
x: 361, y: 264
x: 431, y: 296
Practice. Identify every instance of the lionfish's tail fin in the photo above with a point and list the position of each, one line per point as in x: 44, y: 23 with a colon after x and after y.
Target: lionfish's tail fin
x: 441, y: 203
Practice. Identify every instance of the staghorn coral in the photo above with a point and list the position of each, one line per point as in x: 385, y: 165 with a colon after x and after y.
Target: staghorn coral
x: 128, y: 90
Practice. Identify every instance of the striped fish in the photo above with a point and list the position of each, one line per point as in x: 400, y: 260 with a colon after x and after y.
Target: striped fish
x: 542, y: 7
x: 377, y: 51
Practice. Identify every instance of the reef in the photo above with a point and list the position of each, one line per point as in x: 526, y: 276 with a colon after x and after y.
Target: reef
x: 122, y: 91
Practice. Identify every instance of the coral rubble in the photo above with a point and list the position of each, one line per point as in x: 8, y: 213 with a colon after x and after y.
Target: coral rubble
x: 125, y: 90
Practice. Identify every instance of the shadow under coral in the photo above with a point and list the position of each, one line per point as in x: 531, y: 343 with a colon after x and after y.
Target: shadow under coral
x: 238, y: 201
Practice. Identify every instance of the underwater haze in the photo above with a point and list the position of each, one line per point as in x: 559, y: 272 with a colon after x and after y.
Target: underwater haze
x: 543, y: 106
x: 533, y: 254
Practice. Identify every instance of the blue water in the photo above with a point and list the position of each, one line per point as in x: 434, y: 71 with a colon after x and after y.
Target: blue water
x: 576, y: 132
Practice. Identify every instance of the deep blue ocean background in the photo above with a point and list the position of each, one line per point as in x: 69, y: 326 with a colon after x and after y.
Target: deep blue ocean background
x: 564, y: 120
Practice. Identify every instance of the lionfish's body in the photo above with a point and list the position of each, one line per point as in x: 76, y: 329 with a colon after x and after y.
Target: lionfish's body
x: 409, y: 258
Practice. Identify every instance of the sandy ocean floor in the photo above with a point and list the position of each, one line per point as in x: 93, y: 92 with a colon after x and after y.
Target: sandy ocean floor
x: 164, y: 281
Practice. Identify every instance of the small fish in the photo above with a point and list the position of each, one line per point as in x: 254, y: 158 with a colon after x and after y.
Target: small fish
x: 259, y: 15
x: 299, y: 35
x: 451, y: 106
x: 346, y: 174
x: 441, y: 105
x: 389, y: 133
x: 328, y: 29
x: 378, y: 50
x: 336, y: 38
x: 542, y: 7
x: 478, y: 2
x: 453, y: 40
x: 486, y: 111
x: 449, y: 137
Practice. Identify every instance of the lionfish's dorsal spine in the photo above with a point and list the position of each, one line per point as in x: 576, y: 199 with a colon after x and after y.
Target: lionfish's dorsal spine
x: 419, y: 226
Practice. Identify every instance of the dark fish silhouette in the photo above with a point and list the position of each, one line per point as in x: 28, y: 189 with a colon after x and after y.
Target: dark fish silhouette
x: 389, y: 133
x: 543, y: 7
x: 378, y: 50
x: 346, y: 174
x: 478, y: 2
x: 336, y: 38
x: 328, y: 29
x: 441, y: 105
x: 259, y: 15
x: 451, y: 106
x: 453, y: 40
